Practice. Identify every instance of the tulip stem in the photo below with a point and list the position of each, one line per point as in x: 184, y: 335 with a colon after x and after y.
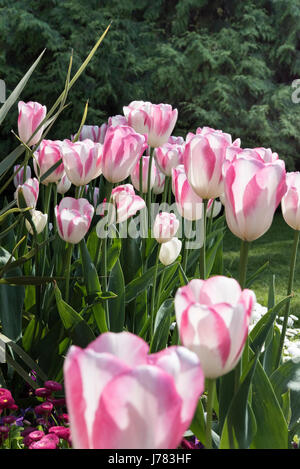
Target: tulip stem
x: 203, y: 248
x: 149, y: 189
x: 68, y: 269
x: 152, y: 312
x: 289, y: 291
x: 244, y: 252
x: 209, y: 412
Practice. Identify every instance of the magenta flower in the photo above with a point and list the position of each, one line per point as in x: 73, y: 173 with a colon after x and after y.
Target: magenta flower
x: 73, y: 218
x: 122, y: 149
x: 53, y: 386
x: 118, y: 396
x: 213, y: 318
x: 31, y: 114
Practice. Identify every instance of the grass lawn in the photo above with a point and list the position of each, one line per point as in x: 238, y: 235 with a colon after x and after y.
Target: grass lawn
x: 275, y: 246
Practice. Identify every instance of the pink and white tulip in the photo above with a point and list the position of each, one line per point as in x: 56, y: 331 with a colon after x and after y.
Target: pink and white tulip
x: 135, y: 174
x: 94, y: 133
x: 203, y: 159
x: 176, y: 140
x: 30, y: 190
x: 253, y: 191
x: 19, y: 177
x: 117, y: 120
x: 121, y: 397
x: 31, y: 115
x: 46, y: 156
x: 155, y: 120
x: 124, y: 202
x: 213, y: 318
x: 262, y: 154
x: 165, y: 227
x: 64, y: 184
x: 168, y: 156
x: 290, y: 203
x: 189, y: 204
x: 208, y: 130
x: 159, y: 181
x: 73, y: 218
x: 82, y: 160
x: 122, y: 149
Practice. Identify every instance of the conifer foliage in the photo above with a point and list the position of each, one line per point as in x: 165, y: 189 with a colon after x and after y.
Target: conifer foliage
x: 226, y: 64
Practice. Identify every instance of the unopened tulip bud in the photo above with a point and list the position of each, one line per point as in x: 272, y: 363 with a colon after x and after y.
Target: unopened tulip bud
x: 165, y: 227
x: 169, y: 251
x: 39, y: 220
x: 31, y: 114
x: 19, y: 177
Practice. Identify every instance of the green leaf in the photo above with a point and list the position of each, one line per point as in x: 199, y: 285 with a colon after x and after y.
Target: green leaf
x: 116, y: 306
x: 138, y: 285
x: 272, y: 430
x: 287, y: 377
x: 18, y: 89
x: 240, y: 424
x: 11, y: 300
x: 198, y: 425
x: 162, y: 326
x: 256, y: 274
x: 93, y: 286
x: 76, y: 326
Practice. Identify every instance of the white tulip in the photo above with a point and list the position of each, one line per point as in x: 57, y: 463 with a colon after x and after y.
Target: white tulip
x: 169, y: 251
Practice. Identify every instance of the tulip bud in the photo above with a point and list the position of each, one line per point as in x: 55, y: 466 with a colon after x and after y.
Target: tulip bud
x: 94, y: 133
x: 169, y: 251
x: 46, y: 156
x: 135, y: 174
x: 168, y: 156
x: 73, y: 218
x: 39, y: 220
x: 31, y: 114
x: 117, y: 120
x: 19, y: 177
x: 64, y: 184
x: 30, y: 190
x: 159, y: 181
x: 165, y: 227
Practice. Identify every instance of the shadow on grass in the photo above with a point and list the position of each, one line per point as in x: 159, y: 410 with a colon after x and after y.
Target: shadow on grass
x: 275, y: 246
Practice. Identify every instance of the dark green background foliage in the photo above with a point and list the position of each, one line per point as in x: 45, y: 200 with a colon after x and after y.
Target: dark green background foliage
x: 226, y: 64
